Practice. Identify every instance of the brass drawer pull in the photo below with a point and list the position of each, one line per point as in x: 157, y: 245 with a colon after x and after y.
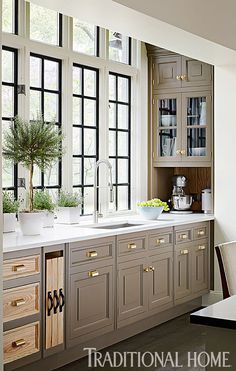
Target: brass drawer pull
x: 146, y: 270
x: 178, y: 77
x: 183, y: 236
x: 160, y: 241
x: 151, y: 268
x: 201, y: 233
x: 201, y: 247
x: 183, y: 77
x: 184, y: 252
x: 18, y: 343
x: 93, y: 274
x: 19, y: 268
x: 18, y: 302
x: 132, y: 246
x: 92, y: 254
x: 183, y: 152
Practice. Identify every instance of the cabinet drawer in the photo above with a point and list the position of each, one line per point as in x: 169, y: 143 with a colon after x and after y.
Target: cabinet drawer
x: 21, y: 267
x: 21, y: 342
x: 20, y: 302
x: 200, y: 232
x: 157, y: 241
x: 131, y: 245
x: 92, y: 252
x: 183, y: 235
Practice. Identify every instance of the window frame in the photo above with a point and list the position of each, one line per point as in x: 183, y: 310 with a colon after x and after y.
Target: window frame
x: 116, y: 157
x: 14, y: 188
x: 58, y: 123
x: 129, y: 59
x: 97, y: 41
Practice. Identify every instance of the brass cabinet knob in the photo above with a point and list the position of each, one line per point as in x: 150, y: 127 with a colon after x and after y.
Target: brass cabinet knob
x: 160, y: 241
x: 92, y: 254
x: 132, y: 246
x: 18, y: 343
x: 146, y: 270
x: 184, y: 252
x: 183, y: 236
x: 178, y: 77
x: 183, y: 152
x: 201, y: 247
x: 19, y: 268
x: 183, y: 77
x: 18, y: 302
x: 201, y: 232
x: 178, y: 152
x: 93, y: 273
x: 151, y: 268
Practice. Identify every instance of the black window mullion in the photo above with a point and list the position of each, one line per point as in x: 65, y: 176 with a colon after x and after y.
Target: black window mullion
x: 82, y: 139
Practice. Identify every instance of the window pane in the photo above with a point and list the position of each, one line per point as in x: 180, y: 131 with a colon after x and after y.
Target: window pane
x: 123, y: 168
x: 123, y: 89
x: 89, y: 164
x: 77, y: 141
x: 7, y: 173
x: 123, y: 116
x: 112, y: 87
x: 77, y: 80
x: 7, y: 101
x: 77, y: 111
x: 112, y: 115
x: 76, y: 171
x: 88, y: 200
x: 37, y: 177
x: 35, y: 72
x: 50, y: 107
x: 89, y: 142
x: 44, y: 25
x: 112, y: 143
x: 7, y: 66
x: 51, y: 175
x: 8, y: 16
x: 119, y: 47
x: 35, y: 104
x: 123, y: 143
x: 122, y: 197
x: 89, y: 112
x: 84, y: 37
x: 50, y: 75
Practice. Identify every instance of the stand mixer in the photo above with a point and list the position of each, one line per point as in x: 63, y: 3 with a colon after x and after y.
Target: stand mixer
x: 181, y: 202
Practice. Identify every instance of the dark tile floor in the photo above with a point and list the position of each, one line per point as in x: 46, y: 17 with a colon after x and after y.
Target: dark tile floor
x: 177, y: 335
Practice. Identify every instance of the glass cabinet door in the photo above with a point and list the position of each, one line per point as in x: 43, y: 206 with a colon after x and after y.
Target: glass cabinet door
x: 196, y: 121
x: 167, y: 119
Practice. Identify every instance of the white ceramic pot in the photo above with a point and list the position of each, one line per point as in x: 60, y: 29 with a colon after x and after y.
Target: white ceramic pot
x: 68, y: 215
x: 9, y: 222
x: 48, y: 219
x: 31, y: 224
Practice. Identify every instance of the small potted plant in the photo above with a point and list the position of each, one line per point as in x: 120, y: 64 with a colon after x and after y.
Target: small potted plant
x: 43, y: 201
x: 32, y: 143
x: 69, y: 208
x: 10, y: 208
x: 152, y: 209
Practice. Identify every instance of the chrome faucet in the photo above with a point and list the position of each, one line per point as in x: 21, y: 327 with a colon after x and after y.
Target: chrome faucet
x: 108, y: 164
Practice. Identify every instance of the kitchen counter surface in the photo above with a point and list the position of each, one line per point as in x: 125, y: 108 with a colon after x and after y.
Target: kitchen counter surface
x: 62, y: 233
x: 221, y: 314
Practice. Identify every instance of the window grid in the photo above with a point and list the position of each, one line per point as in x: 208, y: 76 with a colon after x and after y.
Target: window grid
x: 82, y: 186
x: 118, y: 130
x: 58, y: 92
x: 13, y: 84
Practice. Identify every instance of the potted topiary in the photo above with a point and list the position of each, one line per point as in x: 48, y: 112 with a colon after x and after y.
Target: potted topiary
x: 69, y: 208
x: 43, y: 201
x: 10, y: 208
x: 33, y: 143
x: 152, y: 209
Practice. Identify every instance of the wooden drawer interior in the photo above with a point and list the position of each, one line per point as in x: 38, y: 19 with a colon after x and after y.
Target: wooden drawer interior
x: 200, y: 232
x: 21, y: 342
x: 21, y: 267
x: 20, y: 302
x: 93, y: 252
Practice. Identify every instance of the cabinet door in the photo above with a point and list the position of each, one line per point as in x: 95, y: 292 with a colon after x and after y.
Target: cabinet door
x: 182, y: 273
x: 166, y: 72
x: 167, y: 127
x: 132, y: 289
x: 91, y: 302
x: 161, y: 280
x: 196, y: 126
x: 195, y: 73
x: 200, y: 270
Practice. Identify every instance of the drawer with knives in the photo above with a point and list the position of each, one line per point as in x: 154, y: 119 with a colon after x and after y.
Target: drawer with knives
x: 21, y: 342
x: 21, y: 267
x: 21, y: 301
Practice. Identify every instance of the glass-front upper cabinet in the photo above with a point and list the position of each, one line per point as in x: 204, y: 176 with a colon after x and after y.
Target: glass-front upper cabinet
x: 196, y: 125
x: 167, y: 115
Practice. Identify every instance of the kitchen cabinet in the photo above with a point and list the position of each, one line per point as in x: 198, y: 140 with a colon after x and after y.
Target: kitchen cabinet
x: 200, y: 271
x: 182, y: 277
x: 182, y: 128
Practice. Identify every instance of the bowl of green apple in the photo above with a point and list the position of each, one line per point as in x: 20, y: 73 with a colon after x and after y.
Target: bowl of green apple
x: 152, y: 209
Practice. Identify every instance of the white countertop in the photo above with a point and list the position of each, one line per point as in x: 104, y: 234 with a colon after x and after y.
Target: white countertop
x: 80, y: 232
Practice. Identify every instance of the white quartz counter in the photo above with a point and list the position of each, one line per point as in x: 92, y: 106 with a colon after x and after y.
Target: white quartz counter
x: 83, y: 231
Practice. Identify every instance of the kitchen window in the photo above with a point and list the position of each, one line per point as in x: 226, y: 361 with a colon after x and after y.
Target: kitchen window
x: 119, y: 47
x: 85, y: 38
x: 9, y: 111
x: 10, y: 16
x: 85, y: 132
x: 45, y: 98
x: 120, y: 138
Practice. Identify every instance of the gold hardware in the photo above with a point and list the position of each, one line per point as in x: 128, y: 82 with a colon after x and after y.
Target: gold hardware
x: 93, y: 274
x: 183, y: 77
x: 184, y: 252
x: 153, y: 82
x: 92, y: 254
x: 201, y: 233
x: 201, y: 247
x: 183, y: 236
x: 178, y: 77
x: 19, y: 268
x: 18, y: 302
x: 18, y: 343
x: 183, y: 152
x: 151, y: 268
x: 132, y: 246
x: 178, y: 152
x: 146, y: 270
x: 160, y: 241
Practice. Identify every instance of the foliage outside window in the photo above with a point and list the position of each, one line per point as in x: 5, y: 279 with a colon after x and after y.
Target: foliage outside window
x: 9, y: 16
x: 119, y: 47
x: 85, y: 37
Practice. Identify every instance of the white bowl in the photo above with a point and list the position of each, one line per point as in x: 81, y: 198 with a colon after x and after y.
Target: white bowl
x: 150, y: 213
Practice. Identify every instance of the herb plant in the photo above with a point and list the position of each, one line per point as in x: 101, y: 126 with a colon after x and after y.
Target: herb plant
x: 43, y: 201
x: 67, y: 199
x: 9, y: 204
x: 155, y: 202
